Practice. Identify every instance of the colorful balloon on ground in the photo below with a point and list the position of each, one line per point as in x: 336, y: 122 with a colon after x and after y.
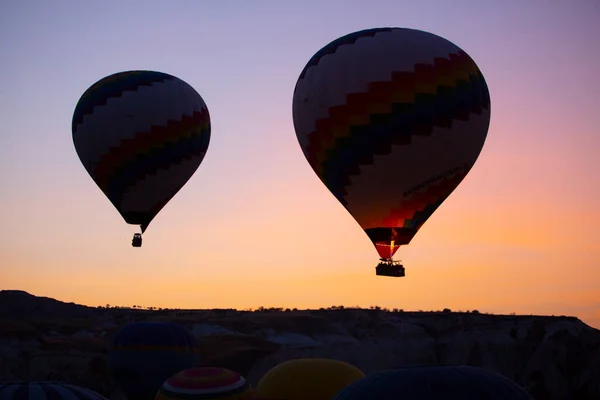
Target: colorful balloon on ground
x: 307, y: 378
x: 141, y: 135
x: 391, y: 120
x: 142, y: 355
x: 45, y: 390
x: 205, y: 383
x: 442, y: 382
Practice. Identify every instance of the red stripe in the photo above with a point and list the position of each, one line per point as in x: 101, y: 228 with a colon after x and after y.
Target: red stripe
x: 144, y: 142
x: 382, y: 92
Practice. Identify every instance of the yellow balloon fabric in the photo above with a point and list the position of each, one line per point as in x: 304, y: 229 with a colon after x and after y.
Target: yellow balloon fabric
x: 307, y: 378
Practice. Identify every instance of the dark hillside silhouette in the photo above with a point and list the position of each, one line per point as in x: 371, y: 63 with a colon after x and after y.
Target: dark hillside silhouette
x: 552, y: 357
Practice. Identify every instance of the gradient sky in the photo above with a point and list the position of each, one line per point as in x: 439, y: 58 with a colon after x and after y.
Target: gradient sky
x: 255, y: 226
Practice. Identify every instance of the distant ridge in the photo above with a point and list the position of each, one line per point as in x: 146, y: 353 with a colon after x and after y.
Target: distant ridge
x: 553, y: 357
x: 17, y: 304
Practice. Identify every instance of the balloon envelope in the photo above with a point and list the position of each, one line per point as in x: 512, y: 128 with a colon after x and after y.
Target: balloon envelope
x: 206, y: 383
x: 441, y: 382
x: 391, y: 120
x: 142, y: 355
x: 307, y: 378
x: 141, y: 135
x: 45, y: 390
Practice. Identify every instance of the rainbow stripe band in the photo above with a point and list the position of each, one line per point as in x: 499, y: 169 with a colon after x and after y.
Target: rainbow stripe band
x: 390, y: 113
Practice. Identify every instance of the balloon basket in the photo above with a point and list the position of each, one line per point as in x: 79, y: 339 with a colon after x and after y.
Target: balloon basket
x: 137, y: 240
x: 390, y: 268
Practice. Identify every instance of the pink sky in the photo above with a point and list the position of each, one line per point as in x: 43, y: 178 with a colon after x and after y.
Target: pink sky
x: 518, y: 235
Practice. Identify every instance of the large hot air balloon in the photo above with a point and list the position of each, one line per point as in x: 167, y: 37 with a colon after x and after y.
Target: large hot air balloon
x: 205, y: 383
x: 433, y: 383
x: 141, y: 135
x: 391, y: 120
x: 45, y: 390
x: 307, y: 378
x: 142, y: 355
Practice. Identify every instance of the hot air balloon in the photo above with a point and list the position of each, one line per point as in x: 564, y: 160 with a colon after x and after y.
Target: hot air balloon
x: 142, y: 355
x: 440, y: 382
x: 391, y: 120
x: 141, y: 135
x: 206, y: 383
x: 307, y: 378
x: 45, y: 390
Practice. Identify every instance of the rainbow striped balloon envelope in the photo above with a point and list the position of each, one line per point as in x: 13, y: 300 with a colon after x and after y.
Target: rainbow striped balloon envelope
x: 205, y: 383
x: 391, y: 120
x: 141, y: 135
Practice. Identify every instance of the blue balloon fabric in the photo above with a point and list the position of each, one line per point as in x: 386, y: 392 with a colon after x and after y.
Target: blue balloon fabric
x: 143, y: 355
x: 439, y: 382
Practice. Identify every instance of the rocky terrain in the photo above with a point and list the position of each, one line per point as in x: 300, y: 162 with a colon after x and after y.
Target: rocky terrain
x: 552, y: 357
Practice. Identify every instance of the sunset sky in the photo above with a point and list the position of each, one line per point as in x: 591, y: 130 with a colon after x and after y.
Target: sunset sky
x: 255, y: 226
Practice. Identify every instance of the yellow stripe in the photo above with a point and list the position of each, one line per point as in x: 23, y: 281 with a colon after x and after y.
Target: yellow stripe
x: 426, y: 88
x: 380, y: 108
x: 358, y: 119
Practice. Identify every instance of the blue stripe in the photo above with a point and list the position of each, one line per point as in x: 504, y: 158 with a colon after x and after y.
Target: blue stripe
x: 142, y: 166
x: 383, y: 129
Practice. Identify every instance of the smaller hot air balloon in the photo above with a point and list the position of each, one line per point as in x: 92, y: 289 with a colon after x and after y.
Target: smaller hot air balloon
x: 141, y: 135
x: 307, y: 378
x: 45, y: 390
x: 433, y: 383
x: 142, y: 355
x: 205, y: 383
